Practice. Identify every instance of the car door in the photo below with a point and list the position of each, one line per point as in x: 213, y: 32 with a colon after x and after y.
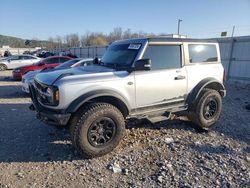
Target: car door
x: 26, y: 60
x: 33, y: 59
x: 14, y: 62
x: 166, y: 82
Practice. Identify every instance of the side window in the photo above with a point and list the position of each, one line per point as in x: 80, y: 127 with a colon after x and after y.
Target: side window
x: 164, y: 56
x: 28, y: 57
x: 86, y: 63
x: 202, y: 53
x: 52, y: 61
x: 63, y: 59
x: 13, y: 58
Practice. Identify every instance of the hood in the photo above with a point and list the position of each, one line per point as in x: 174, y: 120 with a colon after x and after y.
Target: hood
x: 49, y: 78
x: 3, y: 59
x: 24, y: 67
x: 30, y: 75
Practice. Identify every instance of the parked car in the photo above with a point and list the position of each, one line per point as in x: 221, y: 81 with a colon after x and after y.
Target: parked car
x: 3, y: 58
x: 7, y: 53
x: 27, y: 52
x: 15, y: 61
x: 152, y: 78
x: 29, y: 77
x: 52, y: 61
x: 45, y: 54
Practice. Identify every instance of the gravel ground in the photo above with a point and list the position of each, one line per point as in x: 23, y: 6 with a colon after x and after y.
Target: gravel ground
x: 167, y: 154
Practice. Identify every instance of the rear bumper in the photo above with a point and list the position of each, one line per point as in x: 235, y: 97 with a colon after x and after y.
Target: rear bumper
x: 46, y: 115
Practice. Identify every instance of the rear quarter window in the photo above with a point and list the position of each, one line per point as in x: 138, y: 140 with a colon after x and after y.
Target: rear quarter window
x: 199, y: 53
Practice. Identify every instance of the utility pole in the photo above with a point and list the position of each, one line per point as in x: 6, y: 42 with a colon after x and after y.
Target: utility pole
x: 179, y: 21
x: 233, y: 31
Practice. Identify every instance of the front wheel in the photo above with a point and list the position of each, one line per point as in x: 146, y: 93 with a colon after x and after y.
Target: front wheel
x: 3, y: 67
x: 206, y: 110
x: 98, y: 130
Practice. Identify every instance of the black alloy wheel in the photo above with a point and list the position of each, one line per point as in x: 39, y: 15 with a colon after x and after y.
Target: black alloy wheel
x: 101, y: 132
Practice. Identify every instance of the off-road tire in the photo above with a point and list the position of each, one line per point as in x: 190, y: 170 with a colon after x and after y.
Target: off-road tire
x: 3, y: 67
x: 196, y: 110
x: 89, y: 115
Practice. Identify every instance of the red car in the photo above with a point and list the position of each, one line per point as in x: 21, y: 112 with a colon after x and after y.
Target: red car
x: 52, y: 61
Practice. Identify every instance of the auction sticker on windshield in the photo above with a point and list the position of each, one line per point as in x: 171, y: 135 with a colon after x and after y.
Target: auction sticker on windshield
x: 134, y: 46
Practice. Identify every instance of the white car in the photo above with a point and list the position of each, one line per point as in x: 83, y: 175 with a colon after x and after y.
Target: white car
x: 15, y: 61
x: 29, y: 77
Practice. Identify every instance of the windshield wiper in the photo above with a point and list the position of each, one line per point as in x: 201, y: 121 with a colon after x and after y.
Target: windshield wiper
x: 112, y: 65
x: 115, y: 66
x: 46, y: 69
x: 109, y: 65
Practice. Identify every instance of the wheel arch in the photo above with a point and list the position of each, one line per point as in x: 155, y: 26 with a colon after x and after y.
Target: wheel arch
x: 107, y: 96
x: 208, y: 83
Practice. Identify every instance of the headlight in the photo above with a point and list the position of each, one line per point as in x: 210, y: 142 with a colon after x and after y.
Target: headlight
x: 52, y: 95
x: 49, y: 92
x: 47, y: 95
x: 17, y: 70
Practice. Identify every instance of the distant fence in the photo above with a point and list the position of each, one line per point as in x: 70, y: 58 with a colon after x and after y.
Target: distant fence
x: 235, y: 55
x: 84, y: 52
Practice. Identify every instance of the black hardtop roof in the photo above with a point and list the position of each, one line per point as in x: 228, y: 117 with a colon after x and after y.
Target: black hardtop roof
x: 168, y: 39
x: 165, y: 39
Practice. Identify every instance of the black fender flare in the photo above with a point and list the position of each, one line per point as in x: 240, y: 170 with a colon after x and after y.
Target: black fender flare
x: 78, y: 102
x: 205, y: 83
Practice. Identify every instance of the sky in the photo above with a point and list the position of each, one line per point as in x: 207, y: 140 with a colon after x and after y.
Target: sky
x: 42, y: 19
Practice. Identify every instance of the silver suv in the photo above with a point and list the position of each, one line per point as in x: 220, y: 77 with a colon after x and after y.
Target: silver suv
x: 150, y: 78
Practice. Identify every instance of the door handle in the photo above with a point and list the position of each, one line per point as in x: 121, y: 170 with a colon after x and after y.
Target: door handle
x: 179, y: 77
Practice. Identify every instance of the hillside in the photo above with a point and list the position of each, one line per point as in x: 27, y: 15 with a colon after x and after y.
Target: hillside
x: 15, y: 42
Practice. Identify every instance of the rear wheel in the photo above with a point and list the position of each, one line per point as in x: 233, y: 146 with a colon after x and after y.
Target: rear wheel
x: 206, y: 109
x: 3, y: 67
x: 98, y: 130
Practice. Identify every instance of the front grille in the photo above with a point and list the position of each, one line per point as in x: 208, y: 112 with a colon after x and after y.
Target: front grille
x: 40, y: 86
x: 39, y: 90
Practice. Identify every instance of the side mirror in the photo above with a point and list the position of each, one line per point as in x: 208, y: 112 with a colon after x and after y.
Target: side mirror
x: 96, y: 61
x: 142, y: 64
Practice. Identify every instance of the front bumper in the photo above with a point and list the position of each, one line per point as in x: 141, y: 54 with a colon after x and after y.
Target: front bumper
x: 16, y: 76
x: 48, y: 116
x: 223, y: 93
x: 25, y: 86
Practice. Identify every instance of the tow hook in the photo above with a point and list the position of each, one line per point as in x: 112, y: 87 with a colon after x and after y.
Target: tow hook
x: 32, y: 107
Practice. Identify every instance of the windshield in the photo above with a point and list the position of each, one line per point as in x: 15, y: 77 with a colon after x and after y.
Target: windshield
x: 68, y: 63
x: 121, y: 55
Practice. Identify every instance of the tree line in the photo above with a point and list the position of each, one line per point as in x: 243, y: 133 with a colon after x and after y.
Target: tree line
x: 93, y: 38
x: 73, y: 39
